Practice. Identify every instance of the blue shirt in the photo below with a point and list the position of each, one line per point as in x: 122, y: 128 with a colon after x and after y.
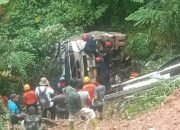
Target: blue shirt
x: 13, y: 107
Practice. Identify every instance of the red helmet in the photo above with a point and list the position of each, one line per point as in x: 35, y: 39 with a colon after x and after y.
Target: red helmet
x: 108, y: 44
x: 99, y: 59
x: 85, y: 36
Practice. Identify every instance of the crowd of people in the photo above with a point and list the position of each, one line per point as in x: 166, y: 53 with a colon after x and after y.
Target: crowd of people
x: 102, y: 51
x: 73, y: 100
x: 81, y: 100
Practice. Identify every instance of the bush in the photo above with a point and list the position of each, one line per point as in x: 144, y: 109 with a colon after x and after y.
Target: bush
x: 3, y: 118
x: 141, y: 46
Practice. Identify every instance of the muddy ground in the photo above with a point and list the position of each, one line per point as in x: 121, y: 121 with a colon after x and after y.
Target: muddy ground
x: 166, y: 117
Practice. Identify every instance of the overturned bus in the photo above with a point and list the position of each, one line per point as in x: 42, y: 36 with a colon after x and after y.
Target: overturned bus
x: 78, y: 61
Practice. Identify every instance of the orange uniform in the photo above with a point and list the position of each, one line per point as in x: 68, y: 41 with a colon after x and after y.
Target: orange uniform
x: 30, y: 97
x: 90, y: 88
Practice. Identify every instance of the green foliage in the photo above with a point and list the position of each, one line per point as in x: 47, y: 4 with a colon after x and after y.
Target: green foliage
x: 138, y: 1
x: 3, y: 117
x: 141, y: 46
x: 153, y: 65
x: 144, y: 16
x: 161, y: 18
x: 30, y: 29
x: 14, y: 60
x: 19, y: 61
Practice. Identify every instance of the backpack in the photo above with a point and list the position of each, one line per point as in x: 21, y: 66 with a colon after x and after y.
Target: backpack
x: 32, y: 122
x: 43, y: 99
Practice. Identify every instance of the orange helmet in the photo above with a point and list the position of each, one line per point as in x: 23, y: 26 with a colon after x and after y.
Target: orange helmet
x: 85, y: 36
x: 27, y: 87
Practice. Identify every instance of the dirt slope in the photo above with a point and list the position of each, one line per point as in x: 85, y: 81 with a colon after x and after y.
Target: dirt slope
x: 166, y: 117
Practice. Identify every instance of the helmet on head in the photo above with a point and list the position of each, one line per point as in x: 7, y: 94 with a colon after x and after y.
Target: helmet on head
x: 62, y: 78
x: 27, y: 87
x: 85, y: 36
x: 32, y: 110
x: 99, y: 59
x: 108, y: 44
x: 86, y: 79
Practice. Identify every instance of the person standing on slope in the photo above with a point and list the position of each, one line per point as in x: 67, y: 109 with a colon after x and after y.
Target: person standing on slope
x: 29, y: 98
x: 90, y: 87
x: 98, y: 101
x: 44, y: 95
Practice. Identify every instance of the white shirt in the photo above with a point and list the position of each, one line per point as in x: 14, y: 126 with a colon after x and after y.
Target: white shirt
x: 49, y: 91
x: 84, y: 95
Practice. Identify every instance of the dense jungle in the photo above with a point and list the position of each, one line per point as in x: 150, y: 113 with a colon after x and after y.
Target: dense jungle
x: 30, y: 30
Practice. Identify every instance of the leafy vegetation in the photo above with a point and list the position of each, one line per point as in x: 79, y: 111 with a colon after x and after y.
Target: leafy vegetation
x: 140, y: 46
x: 160, y: 20
x: 30, y: 31
x: 3, y: 115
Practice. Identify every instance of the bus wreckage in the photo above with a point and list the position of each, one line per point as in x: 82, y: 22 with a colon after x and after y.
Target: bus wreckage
x: 97, y: 54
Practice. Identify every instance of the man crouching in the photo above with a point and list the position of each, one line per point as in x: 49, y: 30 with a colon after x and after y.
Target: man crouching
x: 32, y: 121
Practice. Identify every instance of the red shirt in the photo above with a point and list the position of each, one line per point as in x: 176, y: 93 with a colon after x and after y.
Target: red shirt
x: 90, y: 88
x: 30, y: 97
x: 5, y: 100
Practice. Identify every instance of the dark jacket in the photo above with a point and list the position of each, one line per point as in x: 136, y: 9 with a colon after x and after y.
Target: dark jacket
x: 90, y: 47
x: 103, y: 72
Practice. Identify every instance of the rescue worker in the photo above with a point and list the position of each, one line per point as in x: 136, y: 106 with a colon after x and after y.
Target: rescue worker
x: 90, y: 87
x: 29, y: 98
x: 73, y: 105
x: 98, y: 101
x: 103, y: 72
x: 12, y: 104
x: 107, y: 55
x: 75, y: 108
x: 14, y: 111
x: 32, y: 121
x: 19, y: 102
x: 44, y: 95
x: 61, y: 84
x: 90, y: 47
x: 84, y: 95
